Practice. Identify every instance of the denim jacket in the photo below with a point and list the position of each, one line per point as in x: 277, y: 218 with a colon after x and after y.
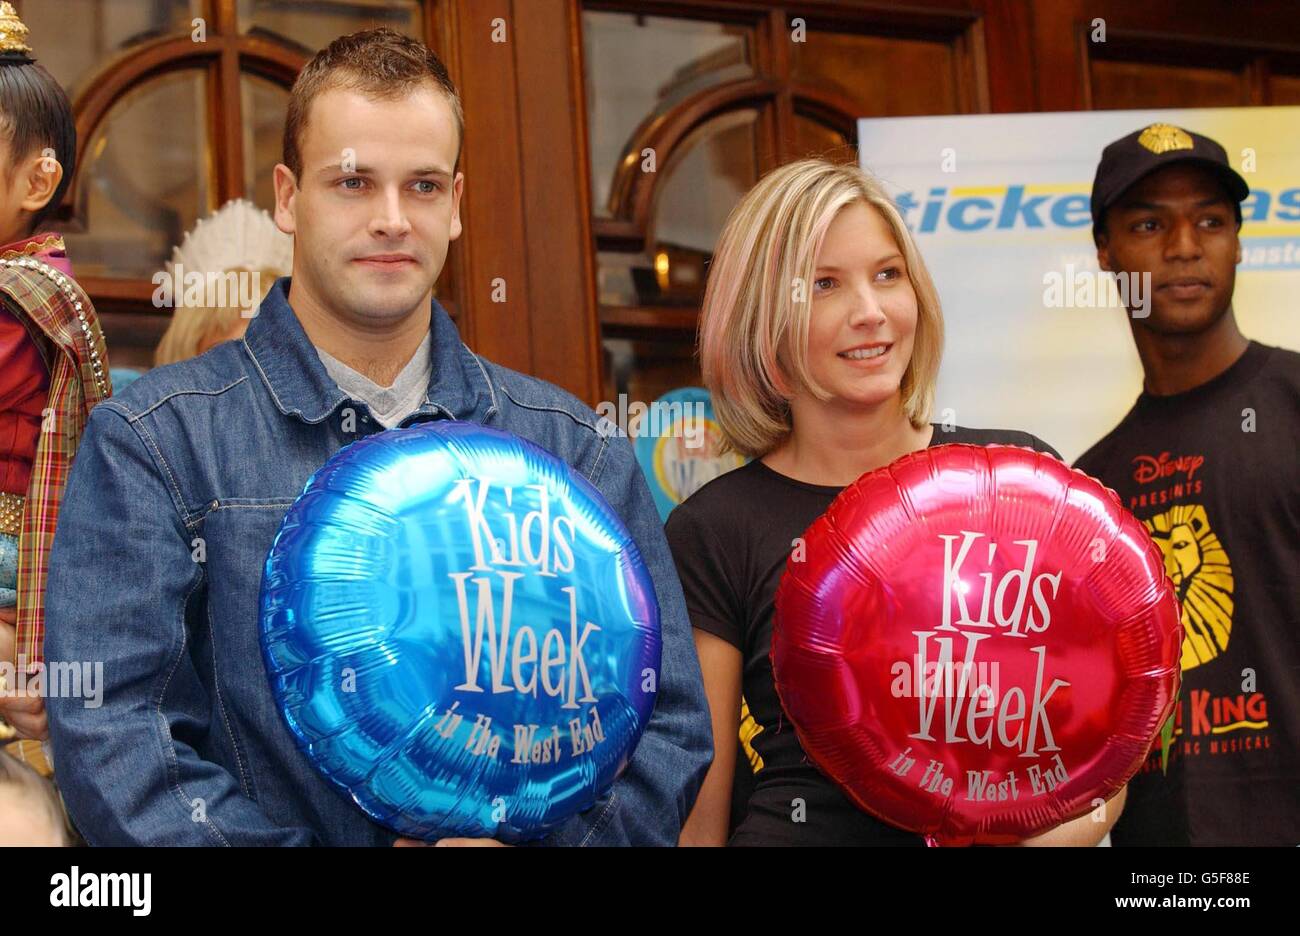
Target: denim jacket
x: 188, y: 747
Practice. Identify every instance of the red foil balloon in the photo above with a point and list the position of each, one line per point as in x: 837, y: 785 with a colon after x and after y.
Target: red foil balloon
x: 977, y: 643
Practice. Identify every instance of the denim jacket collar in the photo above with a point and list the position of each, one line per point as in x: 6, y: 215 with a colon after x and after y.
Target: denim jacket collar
x: 459, y: 386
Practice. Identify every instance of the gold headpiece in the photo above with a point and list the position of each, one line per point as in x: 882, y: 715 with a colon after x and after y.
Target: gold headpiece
x: 13, y: 32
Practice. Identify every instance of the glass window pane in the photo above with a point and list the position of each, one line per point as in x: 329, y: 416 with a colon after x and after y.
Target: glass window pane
x: 645, y: 370
x: 703, y: 180
x: 72, y: 38
x: 623, y: 278
x: 144, y: 180
x: 638, y: 66
x: 314, y: 24
x: 869, y: 71
x: 264, y: 107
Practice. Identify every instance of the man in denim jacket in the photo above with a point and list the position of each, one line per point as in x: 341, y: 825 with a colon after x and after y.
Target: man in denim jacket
x: 181, y: 483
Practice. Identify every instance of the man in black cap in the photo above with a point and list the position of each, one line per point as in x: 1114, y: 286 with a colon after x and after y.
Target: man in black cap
x: 1207, y: 459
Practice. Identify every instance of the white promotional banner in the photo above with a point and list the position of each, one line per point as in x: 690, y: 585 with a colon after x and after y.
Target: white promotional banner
x: 999, y: 206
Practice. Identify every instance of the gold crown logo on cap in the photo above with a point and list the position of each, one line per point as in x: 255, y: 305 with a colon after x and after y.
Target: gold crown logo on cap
x: 13, y: 32
x: 1164, y: 138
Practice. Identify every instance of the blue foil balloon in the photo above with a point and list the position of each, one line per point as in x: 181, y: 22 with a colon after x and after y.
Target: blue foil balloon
x: 460, y: 633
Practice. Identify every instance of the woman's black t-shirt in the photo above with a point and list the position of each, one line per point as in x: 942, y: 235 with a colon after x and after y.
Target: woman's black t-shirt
x: 730, y: 541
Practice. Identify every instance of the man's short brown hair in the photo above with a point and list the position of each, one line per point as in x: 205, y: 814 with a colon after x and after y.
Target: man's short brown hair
x: 379, y: 63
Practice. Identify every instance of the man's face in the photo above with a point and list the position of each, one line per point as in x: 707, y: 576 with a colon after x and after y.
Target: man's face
x: 377, y: 204
x: 1177, y: 224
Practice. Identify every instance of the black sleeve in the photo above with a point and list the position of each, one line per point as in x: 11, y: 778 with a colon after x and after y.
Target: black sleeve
x: 706, y: 582
x: 967, y: 436
x: 1095, y: 461
x: 1038, y: 445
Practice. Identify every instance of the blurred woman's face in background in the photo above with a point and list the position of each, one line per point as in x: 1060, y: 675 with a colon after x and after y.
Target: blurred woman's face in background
x: 864, y: 310
x: 214, y: 336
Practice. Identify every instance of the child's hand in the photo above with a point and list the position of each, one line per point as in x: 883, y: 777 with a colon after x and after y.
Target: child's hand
x: 25, y: 712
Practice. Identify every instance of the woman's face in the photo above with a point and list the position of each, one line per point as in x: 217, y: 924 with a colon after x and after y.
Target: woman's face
x: 863, y: 310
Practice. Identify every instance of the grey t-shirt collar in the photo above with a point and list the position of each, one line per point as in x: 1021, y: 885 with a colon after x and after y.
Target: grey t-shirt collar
x: 389, y: 405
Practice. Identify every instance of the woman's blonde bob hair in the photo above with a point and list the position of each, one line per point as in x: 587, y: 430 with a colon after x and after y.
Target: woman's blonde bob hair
x: 757, y: 305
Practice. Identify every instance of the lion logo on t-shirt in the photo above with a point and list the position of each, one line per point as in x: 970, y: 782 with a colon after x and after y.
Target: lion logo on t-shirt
x: 1198, y: 565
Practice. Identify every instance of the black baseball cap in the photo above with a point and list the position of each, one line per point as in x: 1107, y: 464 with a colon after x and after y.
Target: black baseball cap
x: 1132, y: 158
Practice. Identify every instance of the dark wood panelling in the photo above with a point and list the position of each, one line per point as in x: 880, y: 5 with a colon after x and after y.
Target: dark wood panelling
x: 1142, y: 84
x: 557, y: 197
x: 492, y: 208
x: 1284, y: 89
x: 1205, y: 43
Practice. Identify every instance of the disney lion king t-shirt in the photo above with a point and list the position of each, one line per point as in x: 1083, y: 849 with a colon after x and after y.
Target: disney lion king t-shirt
x: 1214, y: 474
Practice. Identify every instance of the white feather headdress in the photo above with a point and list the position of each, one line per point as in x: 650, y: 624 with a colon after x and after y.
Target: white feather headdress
x: 238, y: 235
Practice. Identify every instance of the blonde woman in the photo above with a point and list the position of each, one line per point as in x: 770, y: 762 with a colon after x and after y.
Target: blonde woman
x: 239, y: 239
x: 820, y: 340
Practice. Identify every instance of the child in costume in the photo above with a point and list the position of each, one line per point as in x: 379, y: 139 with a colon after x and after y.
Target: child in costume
x: 53, y: 367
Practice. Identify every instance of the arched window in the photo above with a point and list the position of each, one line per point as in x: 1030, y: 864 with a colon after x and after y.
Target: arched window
x: 180, y: 107
x: 688, y: 106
